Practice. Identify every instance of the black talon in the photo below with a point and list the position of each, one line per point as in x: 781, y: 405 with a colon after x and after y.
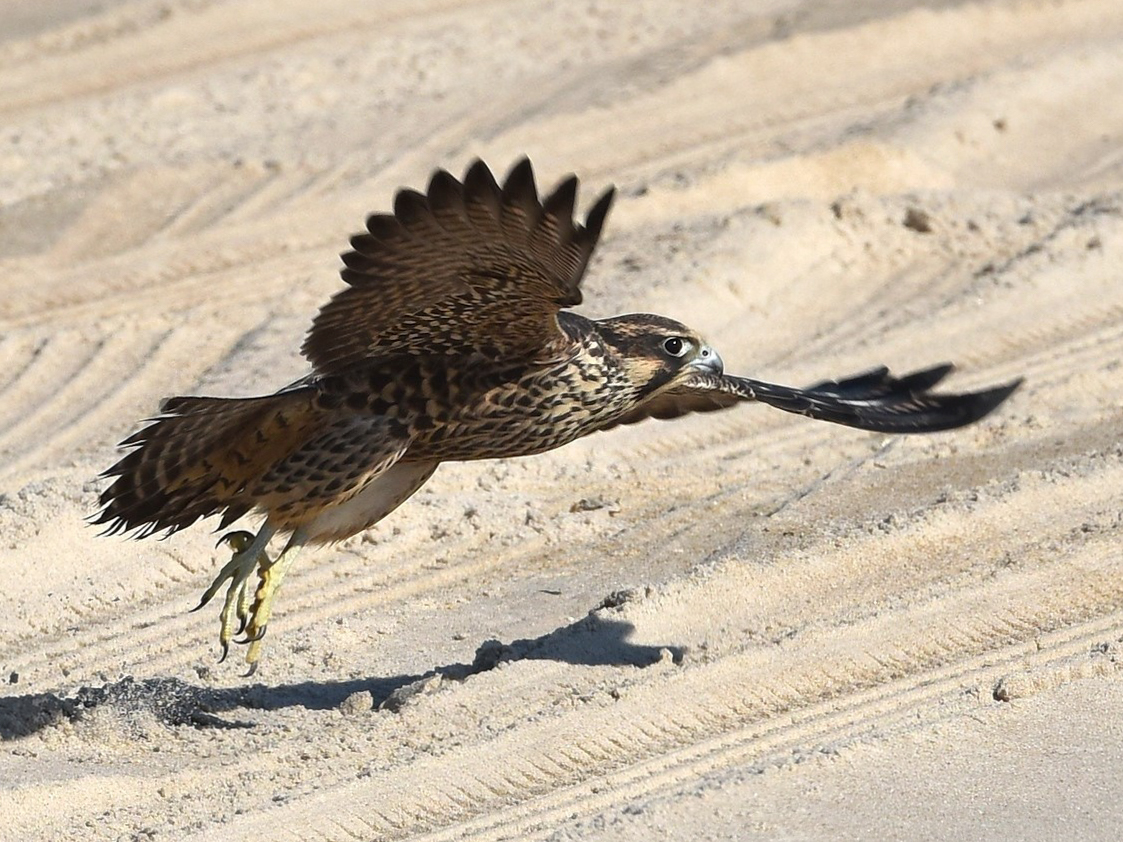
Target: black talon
x: 248, y: 640
x: 230, y: 536
x: 242, y: 626
x: 225, y: 651
x: 251, y: 670
x: 202, y: 602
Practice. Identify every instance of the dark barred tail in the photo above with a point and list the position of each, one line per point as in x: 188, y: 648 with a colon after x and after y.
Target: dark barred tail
x: 195, y: 460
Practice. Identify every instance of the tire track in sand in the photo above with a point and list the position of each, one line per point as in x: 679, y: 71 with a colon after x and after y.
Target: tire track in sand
x: 836, y: 686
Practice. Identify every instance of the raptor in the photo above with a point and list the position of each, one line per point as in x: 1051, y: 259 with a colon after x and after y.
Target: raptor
x: 451, y: 341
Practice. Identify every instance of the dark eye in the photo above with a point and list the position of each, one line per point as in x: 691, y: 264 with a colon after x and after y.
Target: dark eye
x: 676, y: 346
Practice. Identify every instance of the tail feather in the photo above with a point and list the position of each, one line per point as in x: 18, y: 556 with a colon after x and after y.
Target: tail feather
x: 196, y: 458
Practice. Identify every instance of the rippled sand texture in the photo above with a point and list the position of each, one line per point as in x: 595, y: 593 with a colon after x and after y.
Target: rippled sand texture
x: 745, y: 625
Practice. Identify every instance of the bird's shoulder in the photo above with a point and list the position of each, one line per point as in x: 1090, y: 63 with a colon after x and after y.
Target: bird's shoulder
x: 434, y: 386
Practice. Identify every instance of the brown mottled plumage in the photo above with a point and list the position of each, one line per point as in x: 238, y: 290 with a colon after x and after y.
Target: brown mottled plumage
x: 450, y: 343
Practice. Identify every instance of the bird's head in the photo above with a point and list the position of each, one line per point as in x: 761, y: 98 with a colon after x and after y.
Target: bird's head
x: 655, y: 351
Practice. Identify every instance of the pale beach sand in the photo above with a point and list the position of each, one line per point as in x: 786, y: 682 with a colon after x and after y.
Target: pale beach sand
x: 739, y: 626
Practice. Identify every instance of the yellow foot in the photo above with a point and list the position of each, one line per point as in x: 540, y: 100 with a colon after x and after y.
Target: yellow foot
x: 270, y: 575
x: 249, y: 553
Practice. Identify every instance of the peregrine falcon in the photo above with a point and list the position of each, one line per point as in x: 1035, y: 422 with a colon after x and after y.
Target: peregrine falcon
x: 450, y: 342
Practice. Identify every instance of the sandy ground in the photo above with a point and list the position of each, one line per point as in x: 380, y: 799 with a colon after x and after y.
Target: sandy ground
x: 738, y: 626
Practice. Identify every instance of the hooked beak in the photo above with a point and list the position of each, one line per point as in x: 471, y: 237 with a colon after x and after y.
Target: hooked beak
x: 709, y: 361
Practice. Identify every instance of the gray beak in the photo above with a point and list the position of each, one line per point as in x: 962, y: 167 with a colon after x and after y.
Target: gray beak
x: 709, y: 360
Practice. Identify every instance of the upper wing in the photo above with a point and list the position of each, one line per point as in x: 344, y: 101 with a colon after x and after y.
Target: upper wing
x: 874, y: 400
x: 467, y: 268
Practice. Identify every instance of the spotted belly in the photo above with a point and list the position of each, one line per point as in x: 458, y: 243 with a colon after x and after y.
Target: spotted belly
x: 502, y: 436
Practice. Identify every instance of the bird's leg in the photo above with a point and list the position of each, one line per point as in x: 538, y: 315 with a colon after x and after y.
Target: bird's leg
x: 270, y: 574
x: 249, y: 553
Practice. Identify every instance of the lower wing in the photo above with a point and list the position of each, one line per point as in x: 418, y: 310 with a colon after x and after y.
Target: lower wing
x: 874, y: 400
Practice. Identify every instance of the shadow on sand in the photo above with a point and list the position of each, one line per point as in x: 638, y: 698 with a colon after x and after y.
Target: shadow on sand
x: 591, y: 641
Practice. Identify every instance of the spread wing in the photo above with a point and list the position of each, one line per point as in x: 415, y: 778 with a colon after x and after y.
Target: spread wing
x: 874, y: 400
x: 470, y: 268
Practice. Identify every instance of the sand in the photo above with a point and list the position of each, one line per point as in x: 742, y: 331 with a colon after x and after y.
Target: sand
x: 740, y: 626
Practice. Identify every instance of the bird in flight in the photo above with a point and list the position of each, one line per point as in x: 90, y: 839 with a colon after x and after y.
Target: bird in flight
x: 452, y: 341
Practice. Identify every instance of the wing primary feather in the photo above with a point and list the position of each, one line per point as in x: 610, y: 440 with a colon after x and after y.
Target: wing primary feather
x: 594, y: 221
x: 922, y: 381
x: 879, y: 381
x: 412, y: 209
x: 521, y: 209
x: 357, y: 261
x: 481, y: 191
x: 557, y: 211
x: 519, y: 185
x: 385, y: 227
x: 858, y: 384
x: 586, y: 238
x: 446, y: 199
